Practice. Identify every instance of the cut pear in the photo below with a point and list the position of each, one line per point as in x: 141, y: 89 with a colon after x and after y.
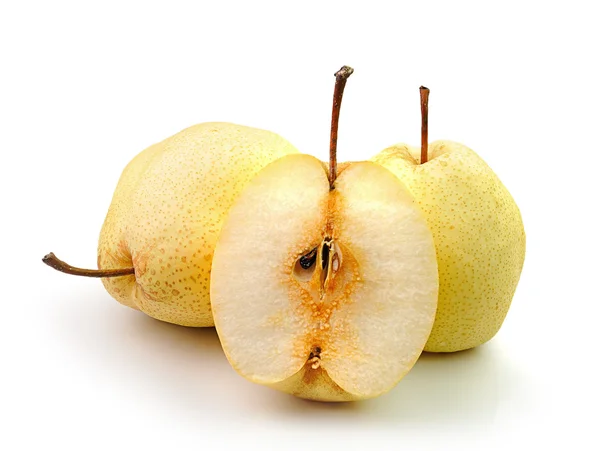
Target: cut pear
x: 328, y: 294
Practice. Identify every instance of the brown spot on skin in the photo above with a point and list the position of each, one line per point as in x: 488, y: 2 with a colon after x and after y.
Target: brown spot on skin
x: 123, y: 250
x: 140, y: 262
x: 147, y: 294
x: 119, y: 258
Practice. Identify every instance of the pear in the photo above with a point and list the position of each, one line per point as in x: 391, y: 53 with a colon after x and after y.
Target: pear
x: 324, y: 285
x: 157, y: 242
x: 478, y: 233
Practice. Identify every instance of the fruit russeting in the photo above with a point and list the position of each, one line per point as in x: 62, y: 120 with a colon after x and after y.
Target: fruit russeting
x: 157, y: 242
x: 478, y: 233
x: 339, y: 296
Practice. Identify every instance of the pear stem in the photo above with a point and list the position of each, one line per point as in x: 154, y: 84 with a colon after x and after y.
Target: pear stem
x: 340, y: 83
x: 54, y: 262
x: 424, y: 117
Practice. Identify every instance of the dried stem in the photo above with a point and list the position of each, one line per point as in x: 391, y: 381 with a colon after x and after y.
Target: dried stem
x: 340, y: 83
x: 54, y: 262
x: 424, y: 117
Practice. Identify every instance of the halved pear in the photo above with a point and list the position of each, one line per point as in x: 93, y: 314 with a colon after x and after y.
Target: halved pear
x: 328, y: 293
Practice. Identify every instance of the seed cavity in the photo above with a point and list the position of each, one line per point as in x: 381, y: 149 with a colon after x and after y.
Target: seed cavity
x: 304, y: 267
x: 335, y: 262
x: 331, y: 261
x: 314, y: 358
x: 307, y: 260
x: 325, y: 251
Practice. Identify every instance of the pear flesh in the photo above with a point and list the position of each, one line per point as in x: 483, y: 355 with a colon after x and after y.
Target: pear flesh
x: 166, y: 215
x: 325, y: 294
x: 479, y: 237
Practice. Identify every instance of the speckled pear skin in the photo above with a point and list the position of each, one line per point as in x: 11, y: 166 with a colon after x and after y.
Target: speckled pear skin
x: 167, y: 212
x: 479, y: 238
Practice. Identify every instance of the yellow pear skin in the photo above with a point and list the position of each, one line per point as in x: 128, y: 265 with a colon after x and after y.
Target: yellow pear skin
x: 166, y: 215
x: 478, y: 234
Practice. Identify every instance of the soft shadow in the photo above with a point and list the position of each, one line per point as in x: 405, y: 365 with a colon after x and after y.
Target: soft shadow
x: 186, y: 367
x: 172, y: 364
x: 456, y: 387
x: 462, y: 387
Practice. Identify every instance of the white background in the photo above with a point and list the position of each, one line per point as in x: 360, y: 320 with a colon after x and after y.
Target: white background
x: 85, y: 87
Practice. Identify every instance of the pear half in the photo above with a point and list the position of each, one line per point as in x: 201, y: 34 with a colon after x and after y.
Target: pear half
x: 327, y: 294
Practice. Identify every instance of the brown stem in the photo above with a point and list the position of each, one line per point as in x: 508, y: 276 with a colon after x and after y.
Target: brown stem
x: 424, y: 116
x: 54, y: 262
x: 340, y: 83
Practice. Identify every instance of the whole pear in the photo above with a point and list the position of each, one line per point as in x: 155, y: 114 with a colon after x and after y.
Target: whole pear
x: 478, y: 234
x: 166, y: 215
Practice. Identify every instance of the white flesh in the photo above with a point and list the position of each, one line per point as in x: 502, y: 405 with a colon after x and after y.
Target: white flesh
x: 368, y: 321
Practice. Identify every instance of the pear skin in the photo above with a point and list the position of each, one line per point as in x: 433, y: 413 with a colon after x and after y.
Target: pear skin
x: 166, y: 215
x: 479, y: 238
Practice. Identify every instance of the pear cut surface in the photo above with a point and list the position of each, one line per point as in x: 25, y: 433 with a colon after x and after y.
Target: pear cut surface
x: 326, y: 294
